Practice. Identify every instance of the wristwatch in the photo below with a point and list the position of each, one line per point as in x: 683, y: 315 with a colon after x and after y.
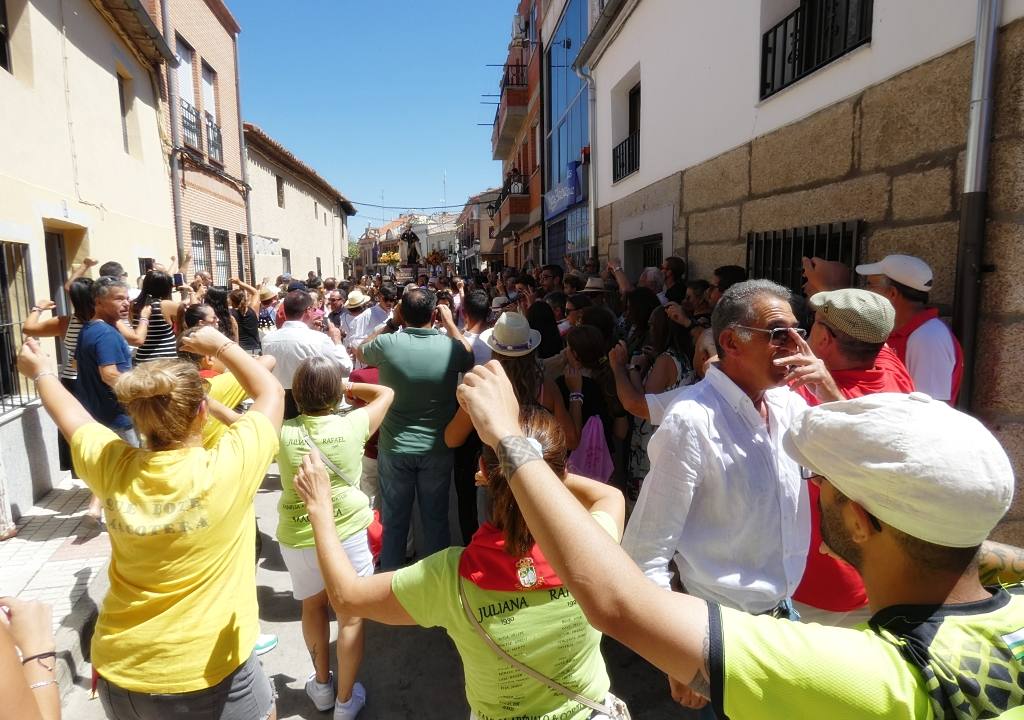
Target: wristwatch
x: 513, y: 452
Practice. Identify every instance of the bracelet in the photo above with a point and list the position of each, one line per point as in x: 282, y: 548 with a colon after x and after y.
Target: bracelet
x: 222, y: 348
x: 143, y: 320
x: 43, y: 374
x: 575, y: 396
x: 40, y: 656
x: 42, y: 683
x: 513, y: 452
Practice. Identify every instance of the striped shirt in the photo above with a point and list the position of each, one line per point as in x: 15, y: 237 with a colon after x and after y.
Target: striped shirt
x: 69, y: 370
x: 161, y: 342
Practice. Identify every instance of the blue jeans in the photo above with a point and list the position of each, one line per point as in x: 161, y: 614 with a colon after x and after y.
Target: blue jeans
x: 403, y: 478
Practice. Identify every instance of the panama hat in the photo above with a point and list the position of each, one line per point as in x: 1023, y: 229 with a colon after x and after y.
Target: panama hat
x: 356, y: 298
x: 511, y: 336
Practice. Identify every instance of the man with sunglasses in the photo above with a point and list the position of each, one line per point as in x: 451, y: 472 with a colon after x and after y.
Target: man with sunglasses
x: 722, y: 499
x: 910, y: 490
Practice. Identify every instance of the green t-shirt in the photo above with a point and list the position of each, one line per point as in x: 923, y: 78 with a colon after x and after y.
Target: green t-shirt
x: 543, y: 629
x: 340, y: 438
x: 953, y: 662
x: 422, y: 366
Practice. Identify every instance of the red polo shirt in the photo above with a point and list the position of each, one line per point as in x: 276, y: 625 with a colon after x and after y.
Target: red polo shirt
x: 830, y: 584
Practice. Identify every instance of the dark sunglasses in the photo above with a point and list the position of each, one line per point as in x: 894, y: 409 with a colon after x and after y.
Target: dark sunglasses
x: 776, y: 336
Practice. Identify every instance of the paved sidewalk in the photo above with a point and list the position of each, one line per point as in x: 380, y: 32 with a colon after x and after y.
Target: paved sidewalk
x: 59, y: 557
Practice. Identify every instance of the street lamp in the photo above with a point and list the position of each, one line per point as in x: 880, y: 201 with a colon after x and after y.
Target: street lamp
x: 492, y: 208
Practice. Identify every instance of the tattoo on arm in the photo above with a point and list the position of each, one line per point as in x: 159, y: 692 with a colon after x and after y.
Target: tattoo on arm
x: 701, y: 681
x: 998, y: 563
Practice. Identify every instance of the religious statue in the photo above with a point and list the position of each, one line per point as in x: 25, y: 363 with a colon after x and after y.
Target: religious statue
x: 413, y: 247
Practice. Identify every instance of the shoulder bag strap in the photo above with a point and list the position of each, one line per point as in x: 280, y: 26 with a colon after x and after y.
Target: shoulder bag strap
x: 557, y: 687
x: 311, y: 443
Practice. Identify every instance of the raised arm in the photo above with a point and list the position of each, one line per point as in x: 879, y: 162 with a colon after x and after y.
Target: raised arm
x: 631, y: 397
x: 255, y: 379
x: 1000, y: 564
x: 136, y: 336
x: 54, y: 326
x: 444, y: 314
x: 378, y: 399
x: 67, y: 413
x: 253, y: 294
x: 352, y: 596
x: 615, y: 270
x: 669, y: 629
x: 78, y: 272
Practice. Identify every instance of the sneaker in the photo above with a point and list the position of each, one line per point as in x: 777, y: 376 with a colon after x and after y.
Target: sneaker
x: 322, y: 694
x: 349, y: 710
x: 265, y: 643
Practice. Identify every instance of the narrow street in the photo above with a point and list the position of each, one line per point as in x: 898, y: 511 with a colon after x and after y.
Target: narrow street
x: 408, y: 672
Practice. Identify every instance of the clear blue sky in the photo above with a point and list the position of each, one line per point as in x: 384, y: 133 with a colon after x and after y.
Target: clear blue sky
x: 381, y: 95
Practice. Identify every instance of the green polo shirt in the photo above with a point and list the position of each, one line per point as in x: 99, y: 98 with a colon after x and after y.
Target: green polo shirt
x: 422, y: 366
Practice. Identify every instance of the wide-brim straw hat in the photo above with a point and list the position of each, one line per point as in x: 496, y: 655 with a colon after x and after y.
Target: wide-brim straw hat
x: 356, y: 298
x: 512, y: 336
x: 268, y: 293
x: 594, y: 285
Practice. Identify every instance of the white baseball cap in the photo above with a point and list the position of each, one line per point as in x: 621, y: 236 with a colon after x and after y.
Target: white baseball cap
x: 905, y: 269
x: 915, y: 463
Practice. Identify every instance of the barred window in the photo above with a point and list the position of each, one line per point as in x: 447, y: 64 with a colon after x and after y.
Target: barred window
x: 242, y: 249
x: 15, y: 304
x: 778, y: 254
x: 221, y: 258
x: 200, y: 248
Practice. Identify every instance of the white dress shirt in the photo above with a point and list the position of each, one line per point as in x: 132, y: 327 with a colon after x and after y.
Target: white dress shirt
x: 723, y: 498
x: 931, y: 359
x: 295, y: 342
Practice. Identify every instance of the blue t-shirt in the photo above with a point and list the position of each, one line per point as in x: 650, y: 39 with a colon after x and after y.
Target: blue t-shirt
x: 101, y: 344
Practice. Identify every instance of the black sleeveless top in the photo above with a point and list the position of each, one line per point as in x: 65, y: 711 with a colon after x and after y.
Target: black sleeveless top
x: 248, y: 329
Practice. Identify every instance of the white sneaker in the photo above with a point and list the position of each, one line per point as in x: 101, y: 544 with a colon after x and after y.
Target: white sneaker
x: 322, y: 694
x: 350, y: 709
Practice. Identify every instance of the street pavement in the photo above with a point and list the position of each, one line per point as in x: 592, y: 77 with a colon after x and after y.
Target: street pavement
x: 408, y: 672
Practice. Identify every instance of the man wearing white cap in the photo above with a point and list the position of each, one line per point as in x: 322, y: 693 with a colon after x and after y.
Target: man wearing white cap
x: 910, y: 489
x: 920, y: 339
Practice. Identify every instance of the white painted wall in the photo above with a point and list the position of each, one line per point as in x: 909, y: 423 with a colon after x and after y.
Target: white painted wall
x: 297, y: 227
x: 699, y: 65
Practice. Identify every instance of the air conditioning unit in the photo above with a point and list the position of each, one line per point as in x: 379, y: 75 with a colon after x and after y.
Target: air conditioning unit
x: 519, y: 27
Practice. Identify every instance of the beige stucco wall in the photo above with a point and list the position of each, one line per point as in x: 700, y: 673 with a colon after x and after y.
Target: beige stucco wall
x: 297, y: 227
x: 64, y: 164
x: 63, y: 168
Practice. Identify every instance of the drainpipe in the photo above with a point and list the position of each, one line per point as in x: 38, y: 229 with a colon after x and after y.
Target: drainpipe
x: 174, y: 109
x: 244, y: 154
x: 975, y: 194
x: 585, y: 75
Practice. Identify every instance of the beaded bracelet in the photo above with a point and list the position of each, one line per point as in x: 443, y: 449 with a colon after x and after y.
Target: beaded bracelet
x: 223, y: 347
x: 42, y: 683
x: 575, y: 397
x: 43, y: 374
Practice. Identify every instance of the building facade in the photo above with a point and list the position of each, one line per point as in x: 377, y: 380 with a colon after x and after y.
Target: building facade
x: 299, y: 220
x: 516, y: 141
x: 565, y: 142
x: 480, y: 247
x: 83, y: 173
x: 203, y: 113
x: 852, y: 146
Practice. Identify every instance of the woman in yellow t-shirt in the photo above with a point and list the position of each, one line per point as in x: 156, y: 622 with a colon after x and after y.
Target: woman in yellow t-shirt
x: 175, y: 635
x: 318, y: 388
x: 501, y: 580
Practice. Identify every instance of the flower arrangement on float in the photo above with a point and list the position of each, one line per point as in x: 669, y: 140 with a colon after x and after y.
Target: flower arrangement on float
x: 390, y: 258
x: 434, y: 257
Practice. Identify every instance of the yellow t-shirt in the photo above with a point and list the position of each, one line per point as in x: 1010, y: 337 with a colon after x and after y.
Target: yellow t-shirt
x: 226, y: 390
x: 181, y: 611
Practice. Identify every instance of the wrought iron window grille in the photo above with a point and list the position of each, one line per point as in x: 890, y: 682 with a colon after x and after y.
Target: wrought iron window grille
x: 778, y: 254
x: 191, y: 125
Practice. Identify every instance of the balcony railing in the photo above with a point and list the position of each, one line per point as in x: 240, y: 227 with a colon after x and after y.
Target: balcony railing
x: 515, y: 75
x: 214, y: 142
x: 813, y: 35
x: 191, y: 125
x: 626, y: 157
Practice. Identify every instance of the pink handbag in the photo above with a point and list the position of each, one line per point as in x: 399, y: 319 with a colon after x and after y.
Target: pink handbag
x: 591, y: 458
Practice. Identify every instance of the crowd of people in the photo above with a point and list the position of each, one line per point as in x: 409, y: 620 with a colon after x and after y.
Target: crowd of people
x: 766, y: 494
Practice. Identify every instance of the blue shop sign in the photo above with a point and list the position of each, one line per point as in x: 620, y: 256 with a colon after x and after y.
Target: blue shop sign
x: 566, y: 194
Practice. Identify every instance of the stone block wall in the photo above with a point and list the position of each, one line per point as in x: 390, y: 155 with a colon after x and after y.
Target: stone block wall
x: 892, y: 156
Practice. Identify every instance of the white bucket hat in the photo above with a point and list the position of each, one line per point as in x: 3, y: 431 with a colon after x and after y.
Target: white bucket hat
x: 511, y: 336
x: 915, y: 463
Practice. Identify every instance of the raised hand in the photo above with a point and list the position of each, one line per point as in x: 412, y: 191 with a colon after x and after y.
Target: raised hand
x: 207, y: 340
x: 313, y: 485
x: 32, y: 360
x: 807, y: 369
x: 487, y: 396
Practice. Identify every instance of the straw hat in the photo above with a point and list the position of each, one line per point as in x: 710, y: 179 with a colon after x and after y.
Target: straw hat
x: 268, y: 293
x: 511, y: 336
x: 356, y: 298
x: 594, y: 285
